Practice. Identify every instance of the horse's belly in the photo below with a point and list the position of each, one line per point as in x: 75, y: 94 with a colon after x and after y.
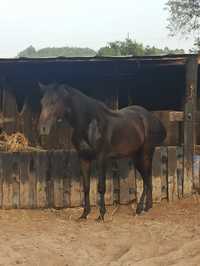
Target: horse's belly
x: 126, y: 141
x: 124, y: 149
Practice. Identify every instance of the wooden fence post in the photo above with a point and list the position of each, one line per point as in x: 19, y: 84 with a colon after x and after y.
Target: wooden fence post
x: 189, y: 122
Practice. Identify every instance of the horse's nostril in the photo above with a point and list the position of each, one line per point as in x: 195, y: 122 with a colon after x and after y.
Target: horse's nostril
x: 43, y: 129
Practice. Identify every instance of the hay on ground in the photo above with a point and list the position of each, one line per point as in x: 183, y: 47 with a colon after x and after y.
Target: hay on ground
x: 13, y: 143
x: 17, y: 142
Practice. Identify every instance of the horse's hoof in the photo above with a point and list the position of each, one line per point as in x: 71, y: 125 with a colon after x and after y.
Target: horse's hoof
x: 139, y: 210
x: 83, y: 217
x: 100, y: 219
x: 147, y: 208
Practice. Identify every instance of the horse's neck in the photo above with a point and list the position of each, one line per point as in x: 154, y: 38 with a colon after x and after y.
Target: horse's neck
x: 86, y: 109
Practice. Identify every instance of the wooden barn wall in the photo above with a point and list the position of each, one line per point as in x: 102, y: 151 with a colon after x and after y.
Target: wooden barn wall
x: 52, y: 179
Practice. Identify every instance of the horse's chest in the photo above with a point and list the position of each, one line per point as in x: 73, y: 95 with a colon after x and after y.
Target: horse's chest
x: 93, y: 134
x: 88, y: 139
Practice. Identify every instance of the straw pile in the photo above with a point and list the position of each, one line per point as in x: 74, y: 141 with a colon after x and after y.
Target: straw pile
x: 13, y: 143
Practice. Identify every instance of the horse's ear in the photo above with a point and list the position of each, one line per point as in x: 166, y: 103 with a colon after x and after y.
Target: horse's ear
x: 42, y: 87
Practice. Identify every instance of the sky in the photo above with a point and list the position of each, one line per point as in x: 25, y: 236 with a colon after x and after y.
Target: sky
x: 83, y: 23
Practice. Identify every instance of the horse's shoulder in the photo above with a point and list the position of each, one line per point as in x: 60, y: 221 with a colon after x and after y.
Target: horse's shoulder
x: 93, y: 132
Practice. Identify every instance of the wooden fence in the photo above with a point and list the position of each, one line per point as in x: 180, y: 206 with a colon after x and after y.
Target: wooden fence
x: 52, y: 179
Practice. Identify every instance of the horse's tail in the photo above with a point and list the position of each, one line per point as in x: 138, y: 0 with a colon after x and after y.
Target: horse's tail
x: 158, y: 131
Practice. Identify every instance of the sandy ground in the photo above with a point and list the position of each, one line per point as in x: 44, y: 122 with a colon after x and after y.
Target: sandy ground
x: 168, y: 235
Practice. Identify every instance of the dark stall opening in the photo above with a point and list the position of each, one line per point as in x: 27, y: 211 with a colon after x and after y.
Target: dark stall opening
x: 156, y: 83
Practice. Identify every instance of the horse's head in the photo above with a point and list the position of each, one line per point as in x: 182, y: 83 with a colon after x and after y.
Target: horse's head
x: 54, y: 107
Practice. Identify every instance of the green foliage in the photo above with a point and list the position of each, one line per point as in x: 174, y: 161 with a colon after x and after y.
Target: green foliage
x: 28, y: 52
x: 131, y: 47
x: 108, y: 51
x: 55, y: 52
x: 184, y: 18
x: 122, y: 48
x: 117, y: 48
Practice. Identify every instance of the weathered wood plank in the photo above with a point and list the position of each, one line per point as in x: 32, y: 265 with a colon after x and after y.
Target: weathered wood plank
x: 49, y: 180
x: 172, y: 174
x: 7, y: 181
x: 24, y: 181
x: 156, y: 176
x: 32, y: 179
x: 196, y: 170
x: 109, y: 186
x: 74, y: 174
x: 190, y: 122
x: 66, y: 179
x: 15, y: 179
x: 180, y: 170
x: 41, y: 166
x: 57, y: 163
x: 1, y: 181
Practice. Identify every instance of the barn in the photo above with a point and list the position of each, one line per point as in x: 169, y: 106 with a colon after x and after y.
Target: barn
x: 50, y: 177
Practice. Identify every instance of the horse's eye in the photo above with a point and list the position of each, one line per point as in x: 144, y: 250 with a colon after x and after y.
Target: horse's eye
x: 59, y: 120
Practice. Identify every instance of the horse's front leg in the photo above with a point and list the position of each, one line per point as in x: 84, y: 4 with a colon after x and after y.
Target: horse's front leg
x: 101, y: 188
x: 86, y: 171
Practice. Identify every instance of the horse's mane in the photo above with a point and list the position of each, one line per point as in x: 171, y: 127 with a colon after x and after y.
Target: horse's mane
x: 94, y: 102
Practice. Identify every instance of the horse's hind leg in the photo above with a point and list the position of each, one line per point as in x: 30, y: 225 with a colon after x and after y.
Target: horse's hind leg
x: 102, y: 188
x: 86, y: 171
x: 143, y: 163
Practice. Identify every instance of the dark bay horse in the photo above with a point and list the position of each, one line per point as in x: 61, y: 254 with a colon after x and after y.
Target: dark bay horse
x: 100, y: 134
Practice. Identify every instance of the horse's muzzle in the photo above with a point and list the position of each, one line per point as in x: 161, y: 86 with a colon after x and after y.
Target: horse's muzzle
x: 43, y: 131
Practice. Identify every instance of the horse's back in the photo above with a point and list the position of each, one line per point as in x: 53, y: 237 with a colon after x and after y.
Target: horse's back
x: 152, y: 125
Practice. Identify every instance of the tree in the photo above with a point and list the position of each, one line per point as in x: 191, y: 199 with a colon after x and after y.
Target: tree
x: 55, y: 52
x: 122, y: 48
x: 184, y: 18
x: 28, y: 52
x: 117, y: 48
x: 107, y: 51
x: 131, y: 47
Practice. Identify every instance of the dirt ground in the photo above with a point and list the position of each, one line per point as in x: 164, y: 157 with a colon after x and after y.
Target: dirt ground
x: 168, y: 235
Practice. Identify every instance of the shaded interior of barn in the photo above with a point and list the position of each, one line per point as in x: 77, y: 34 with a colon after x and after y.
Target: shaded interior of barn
x: 157, y: 83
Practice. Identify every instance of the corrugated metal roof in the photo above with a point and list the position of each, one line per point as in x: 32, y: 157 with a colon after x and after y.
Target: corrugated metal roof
x: 163, y: 59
